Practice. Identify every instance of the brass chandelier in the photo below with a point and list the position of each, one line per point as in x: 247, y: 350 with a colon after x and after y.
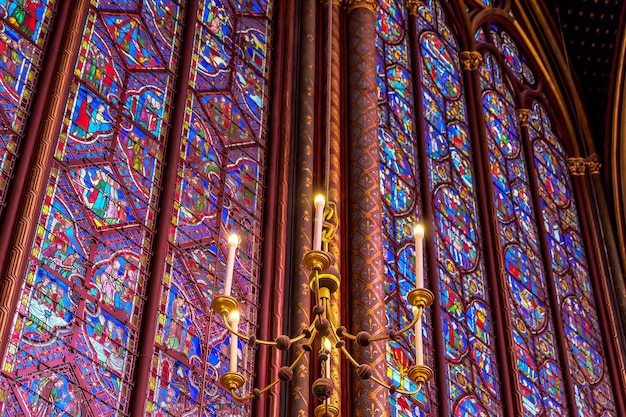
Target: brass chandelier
x: 323, y: 335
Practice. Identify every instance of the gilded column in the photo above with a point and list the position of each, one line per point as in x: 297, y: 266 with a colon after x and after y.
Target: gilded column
x: 299, y: 388
x: 332, y: 173
x: 21, y: 239
x: 366, y: 250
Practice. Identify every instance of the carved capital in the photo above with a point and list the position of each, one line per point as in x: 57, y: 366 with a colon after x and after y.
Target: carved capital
x: 413, y: 6
x: 371, y: 5
x: 577, y: 166
x: 471, y: 60
x: 594, y: 164
x: 524, y: 117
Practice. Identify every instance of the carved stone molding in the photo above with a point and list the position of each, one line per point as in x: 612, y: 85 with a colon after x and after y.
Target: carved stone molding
x: 578, y: 166
x: 524, y: 117
x: 413, y: 6
x: 471, y: 60
x: 371, y: 5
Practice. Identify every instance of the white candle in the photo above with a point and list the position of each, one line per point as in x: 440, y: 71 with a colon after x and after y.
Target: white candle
x: 233, y: 241
x: 327, y: 348
x: 418, y: 232
x: 319, y: 221
x: 234, y: 341
x: 419, y: 344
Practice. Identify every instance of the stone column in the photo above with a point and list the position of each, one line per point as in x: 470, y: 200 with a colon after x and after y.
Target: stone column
x: 299, y: 388
x: 366, y: 246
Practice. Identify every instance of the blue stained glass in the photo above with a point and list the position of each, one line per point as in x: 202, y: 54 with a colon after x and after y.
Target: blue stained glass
x: 219, y: 191
x: 399, y: 188
x: 527, y: 304
x: 468, y: 335
x: 571, y: 276
x: 81, y: 304
x: 23, y: 32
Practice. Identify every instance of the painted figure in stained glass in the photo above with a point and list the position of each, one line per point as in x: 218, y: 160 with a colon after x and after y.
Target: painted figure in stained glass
x: 98, y: 68
x: 140, y: 152
x: 114, y: 280
x: 107, y: 337
x: 15, y: 64
x: 179, y: 333
x: 214, y: 53
x: 23, y: 15
x: 51, y: 310
x: 132, y: 40
x: 177, y: 393
x: 101, y: 194
x: 48, y: 392
x: 90, y: 117
x: 60, y: 249
x: 147, y: 109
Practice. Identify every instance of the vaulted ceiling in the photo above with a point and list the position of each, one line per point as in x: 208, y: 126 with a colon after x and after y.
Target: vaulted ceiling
x: 590, y: 31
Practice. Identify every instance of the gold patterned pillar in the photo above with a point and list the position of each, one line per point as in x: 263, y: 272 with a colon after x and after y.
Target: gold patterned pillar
x: 333, y: 156
x: 299, y: 387
x: 366, y: 247
x: 22, y: 237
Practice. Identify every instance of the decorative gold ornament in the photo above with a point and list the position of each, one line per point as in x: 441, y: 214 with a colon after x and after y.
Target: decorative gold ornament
x: 371, y: 5
x: 471, y: 60
x: 232, y: 380
x: 577, y: 166
x: 223, y: 305
x: 323, y: 408
x: 317, y: 260
x: 524, y: 117
x: 420, y: 297
x: 420, y: 374
x: 413, y: 6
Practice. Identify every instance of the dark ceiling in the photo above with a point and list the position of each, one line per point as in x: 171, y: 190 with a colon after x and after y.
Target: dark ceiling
x: 589, y: 29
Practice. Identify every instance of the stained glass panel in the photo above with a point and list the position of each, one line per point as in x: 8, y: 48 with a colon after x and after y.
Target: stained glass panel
x: 219, y: 191
x: 536, y: 365
x: 24, y: 27
x: 586, y: 354
x: 74, y: 341
x: 399, y: 188
x: 469, y: 346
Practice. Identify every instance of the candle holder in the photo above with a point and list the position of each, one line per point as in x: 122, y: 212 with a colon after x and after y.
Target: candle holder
x: 328, y: 335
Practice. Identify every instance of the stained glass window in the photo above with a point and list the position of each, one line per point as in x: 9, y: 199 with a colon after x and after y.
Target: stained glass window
x: 74, y: 339
x: 467, y: 321
x: 24, y: 28
x: 537, y: 366
x: 585, y: 349
x: 221, y: 179
x: 399, y: 188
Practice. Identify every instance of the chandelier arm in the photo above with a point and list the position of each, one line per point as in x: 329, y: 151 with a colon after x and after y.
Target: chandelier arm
x: 403, y: 330
x: 419, y: 388
x: 273, y: 383
x: 345, y: 334
x: 261, y: 341
x: 349, y: 357
x: 244, y: 337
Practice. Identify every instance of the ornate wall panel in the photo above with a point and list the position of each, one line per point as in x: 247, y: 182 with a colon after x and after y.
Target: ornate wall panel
x: 585, y: 349
x: 471, y: 371
x: 536, y: 365
x: 399, y: 185
x: 24, y: 28
x: 221, y: 179
x: 73, y: 343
